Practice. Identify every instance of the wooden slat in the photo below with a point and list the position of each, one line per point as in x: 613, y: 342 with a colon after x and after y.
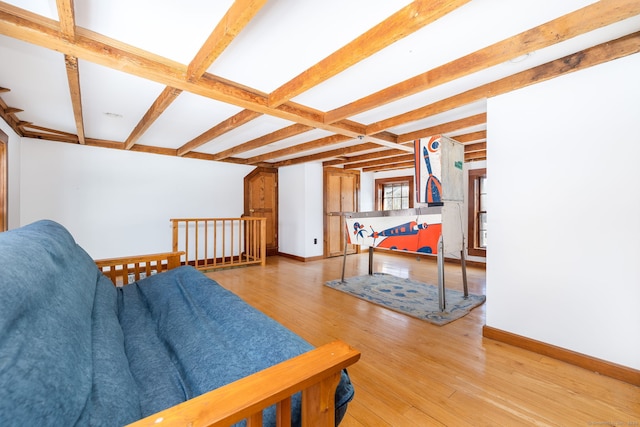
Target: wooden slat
x: 311, y: 145
x: 166, y: 97
x: 88, y: 45
x: 73, y: 77
x: 221, y: 128
x: 328, y: 154
x: 605, y: 52
x: 243, y: 398
x: 448, y: 127
x: 278, y: 135
x: 399, y: 25
x: 66, y: 16
x: 381, y: 162
x: 589, y: 18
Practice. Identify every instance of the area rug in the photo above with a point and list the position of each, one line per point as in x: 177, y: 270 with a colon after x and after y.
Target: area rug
x: 408, y: 296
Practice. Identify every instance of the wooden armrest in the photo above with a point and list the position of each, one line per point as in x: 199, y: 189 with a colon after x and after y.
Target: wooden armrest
x: 118, y: 269
x: 316, y: 373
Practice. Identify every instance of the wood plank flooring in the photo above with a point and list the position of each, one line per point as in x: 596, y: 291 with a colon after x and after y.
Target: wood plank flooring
x: 412, y: 373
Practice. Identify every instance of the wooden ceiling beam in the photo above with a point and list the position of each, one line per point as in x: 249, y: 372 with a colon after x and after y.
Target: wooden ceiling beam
x: 400, y: 165
x: 581, y: 21
x: 366, y: 157
x: 599, y: 54
x: 272, y: 137
x: 307, y: 146
x: 88, y: 45
x: 448, y: 127
x: 477, y: 146
x: 244, y: 116
x: 73, y: 78
x: 162, y: 102
x: 472, y: 136
x: 399, y: 25
x: 475, y: 156
x: 67, y: 18
x: 327, y: 154
x: 381, y: 162
x: 237, y: 17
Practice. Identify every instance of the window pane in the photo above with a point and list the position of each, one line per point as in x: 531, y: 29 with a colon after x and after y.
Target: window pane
x: 483, y: 202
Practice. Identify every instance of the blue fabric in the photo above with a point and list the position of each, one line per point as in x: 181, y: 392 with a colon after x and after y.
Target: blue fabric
x: 205, y: 337
x: 74, y: 350
x: 47, y: 337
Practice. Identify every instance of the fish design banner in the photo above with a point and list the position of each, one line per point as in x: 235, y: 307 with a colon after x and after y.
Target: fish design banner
x: 403, y: 233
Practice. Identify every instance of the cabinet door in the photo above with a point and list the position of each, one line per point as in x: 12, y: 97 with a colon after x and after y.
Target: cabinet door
x: 261, y: 200
x: 342, y: 189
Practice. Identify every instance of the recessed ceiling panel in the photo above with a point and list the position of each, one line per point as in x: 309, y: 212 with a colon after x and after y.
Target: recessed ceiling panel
x: 435, y: 45
x: 172, y: 29
x: 37, y: 79
x: 187, y: 117
x: 289, y: 36
x: 113, y: 102
x: 256, y: 128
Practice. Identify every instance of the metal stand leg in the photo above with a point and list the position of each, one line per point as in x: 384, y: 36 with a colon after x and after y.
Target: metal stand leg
x: 463, y: 263
x: 370, y: 260
x: 441, y: 297
x: 344, y: 257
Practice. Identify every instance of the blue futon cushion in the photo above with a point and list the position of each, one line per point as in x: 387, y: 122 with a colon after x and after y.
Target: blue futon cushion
x: 62, y: 360
x: 185, y: 335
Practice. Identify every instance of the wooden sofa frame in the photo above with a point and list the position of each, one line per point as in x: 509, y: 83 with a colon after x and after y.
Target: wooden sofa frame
x: 316, y: 373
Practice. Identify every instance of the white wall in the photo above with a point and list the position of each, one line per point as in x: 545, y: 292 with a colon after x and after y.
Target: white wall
x: 13, y: 176
x: 119, y: 203
x: 300, y: 210
x: 564, y: 212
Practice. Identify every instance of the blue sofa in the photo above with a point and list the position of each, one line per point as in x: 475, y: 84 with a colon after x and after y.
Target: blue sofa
x: 76, y: 350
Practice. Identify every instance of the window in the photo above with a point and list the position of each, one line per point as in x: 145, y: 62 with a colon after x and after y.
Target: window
x: 394, y: 193
x: 477, y: 244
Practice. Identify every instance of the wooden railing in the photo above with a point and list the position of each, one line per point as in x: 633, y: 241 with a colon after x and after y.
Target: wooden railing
x: 125, y: 270
x: 210, y: 243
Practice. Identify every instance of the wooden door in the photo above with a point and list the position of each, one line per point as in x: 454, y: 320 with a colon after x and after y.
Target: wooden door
x: 341, y: 194
x: 261, y: 200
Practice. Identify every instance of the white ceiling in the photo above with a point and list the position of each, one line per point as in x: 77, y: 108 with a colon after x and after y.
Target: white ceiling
x: 284, y: 38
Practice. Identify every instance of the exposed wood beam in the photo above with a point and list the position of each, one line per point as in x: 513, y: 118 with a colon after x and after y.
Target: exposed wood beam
x: 232, y: 23
x: 73, y: 77
x: 307, y: 146
x: 605, y: 52
x: 237, y: 17
x: 66, y: 16
x: 365, y: 157
x: 589, y: 18
x: 381, y: 162
x: 12, y: 110
x: 87, y: 45
x: 473, y: 136
x: 452, y: 126
x: 162, y: 102
x: 221, y: 128
x: 478, y: 146
x: 400, y: 165
x: 399, y: 25
x: 327, y: 154
x: 8, y: 117
x: 474, y: 156
x: 278, y: 135
x: 4, y: 89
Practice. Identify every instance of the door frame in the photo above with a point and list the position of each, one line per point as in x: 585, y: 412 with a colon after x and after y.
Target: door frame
x: 256, y: 171
x: 325, y: 178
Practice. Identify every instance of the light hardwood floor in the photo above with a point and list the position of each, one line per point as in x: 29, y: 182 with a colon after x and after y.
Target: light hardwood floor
x: 412, y: 373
